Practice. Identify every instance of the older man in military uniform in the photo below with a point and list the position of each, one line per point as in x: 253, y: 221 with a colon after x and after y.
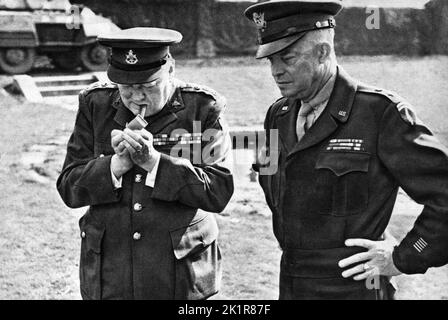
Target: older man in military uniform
x: 146, y: 153
x: 344, y: 148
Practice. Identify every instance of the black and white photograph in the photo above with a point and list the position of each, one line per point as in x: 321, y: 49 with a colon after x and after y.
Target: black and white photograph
x: 224, y: 151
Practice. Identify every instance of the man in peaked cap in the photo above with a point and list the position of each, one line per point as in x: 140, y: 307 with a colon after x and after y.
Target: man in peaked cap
x: 140, y: 158
x: 343, y: 150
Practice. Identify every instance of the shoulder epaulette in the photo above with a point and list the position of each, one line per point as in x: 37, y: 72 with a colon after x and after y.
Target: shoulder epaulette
x: 392, y: 96
x: 404, y: 108
x: 98, y: 85
x: 192, y: 87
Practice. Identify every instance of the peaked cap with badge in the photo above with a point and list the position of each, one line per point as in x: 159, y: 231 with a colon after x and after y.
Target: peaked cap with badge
x: 281, y: 23
x: 138, y: 53
x: 148, y: 240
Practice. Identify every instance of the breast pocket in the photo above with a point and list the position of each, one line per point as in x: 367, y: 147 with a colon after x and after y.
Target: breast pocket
x: 197, y: 260
x: 342, y: 185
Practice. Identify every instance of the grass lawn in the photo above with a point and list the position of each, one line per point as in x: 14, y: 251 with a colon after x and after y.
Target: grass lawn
x: 39, y: 237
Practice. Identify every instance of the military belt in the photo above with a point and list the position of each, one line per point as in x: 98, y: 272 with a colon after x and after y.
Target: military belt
x: 316, y: 263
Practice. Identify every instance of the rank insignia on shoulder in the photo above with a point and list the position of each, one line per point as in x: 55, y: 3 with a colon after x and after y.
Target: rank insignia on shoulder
x: 99, y: 85
x: 191, y: 87
x: 346, y: 145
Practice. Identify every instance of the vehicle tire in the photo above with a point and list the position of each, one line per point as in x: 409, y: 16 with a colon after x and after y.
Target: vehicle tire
x: 94, y: 57
x: 17, y: 60
x: 66, y: 60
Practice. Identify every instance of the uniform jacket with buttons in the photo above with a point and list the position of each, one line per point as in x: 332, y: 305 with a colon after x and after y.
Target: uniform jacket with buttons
x: 341, y: 180
x: 140, y: 242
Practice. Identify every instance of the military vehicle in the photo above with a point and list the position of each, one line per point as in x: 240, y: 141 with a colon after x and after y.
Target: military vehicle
x: 65, y: 33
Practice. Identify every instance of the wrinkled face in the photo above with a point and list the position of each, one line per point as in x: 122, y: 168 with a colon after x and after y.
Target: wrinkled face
x: 152, y: 94
x: 295, y: 70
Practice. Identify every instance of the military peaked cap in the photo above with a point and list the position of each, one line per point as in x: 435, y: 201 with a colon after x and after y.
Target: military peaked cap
x: 281, y: 23
x: 138, y: 53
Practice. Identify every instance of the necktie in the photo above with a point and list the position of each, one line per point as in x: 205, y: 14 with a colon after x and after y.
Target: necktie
x: 301, y: 125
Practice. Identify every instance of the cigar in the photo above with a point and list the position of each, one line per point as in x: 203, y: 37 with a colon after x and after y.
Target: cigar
x: 138, y: 122
x: 142, y: 112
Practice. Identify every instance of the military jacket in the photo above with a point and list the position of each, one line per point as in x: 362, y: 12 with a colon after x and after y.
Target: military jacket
x: 139, y: 242
x: 341, y: 181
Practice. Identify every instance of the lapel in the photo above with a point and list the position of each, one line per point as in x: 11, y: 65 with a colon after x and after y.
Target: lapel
x: 336, y: 112
x: 286, y: 123
x: 156, y: 122
x: 167, y: 115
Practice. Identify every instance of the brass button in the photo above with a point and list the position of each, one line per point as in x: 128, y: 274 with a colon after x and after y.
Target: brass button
x: 138, y: 178
x: 137, y: 236
x: 138, y: 207
x: 83, y: 234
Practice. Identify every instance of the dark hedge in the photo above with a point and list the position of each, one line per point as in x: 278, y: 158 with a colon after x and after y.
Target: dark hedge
x: 211, y: 27
x: 173, y: 14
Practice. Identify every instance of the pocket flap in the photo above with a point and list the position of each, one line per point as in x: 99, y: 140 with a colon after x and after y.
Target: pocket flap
x: 343, y: 162
x: 92, y: 234
x: 195, y: 237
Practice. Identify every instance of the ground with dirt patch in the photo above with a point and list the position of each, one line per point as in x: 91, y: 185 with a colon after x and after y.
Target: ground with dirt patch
x: 39, y: 236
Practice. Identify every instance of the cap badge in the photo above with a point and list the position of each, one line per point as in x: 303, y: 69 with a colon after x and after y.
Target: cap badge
x: 259, y: 20
x: 131, y: 58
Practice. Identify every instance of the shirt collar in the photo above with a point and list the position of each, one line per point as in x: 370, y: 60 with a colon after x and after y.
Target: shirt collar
x: 324, y: 94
